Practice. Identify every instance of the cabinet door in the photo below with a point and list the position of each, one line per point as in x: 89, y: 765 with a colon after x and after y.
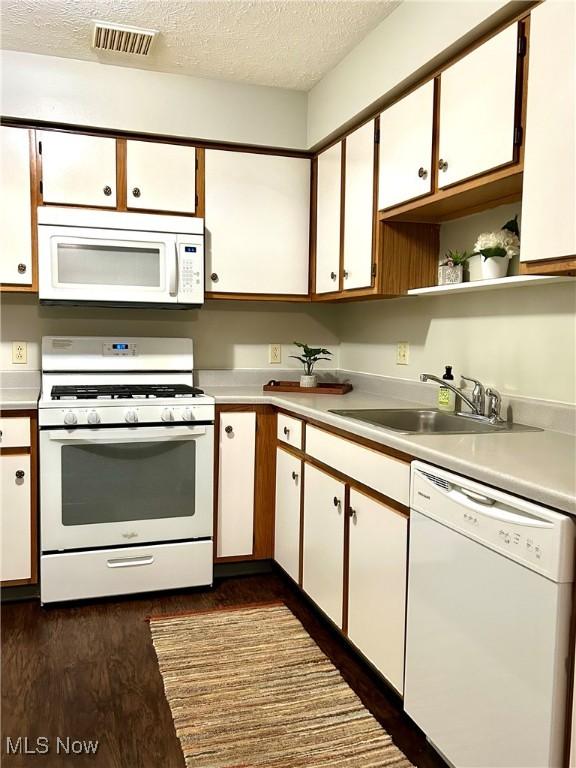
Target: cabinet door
x: 15, y: 518
x: 323, y: 566
x: 235, y: 535
x: 377, y: 585
x: 257, y: 223
x: 287, y: 524
x: 328, y: 196
x: 405, y: 159
x: 77, y: 169
x: 161, y: 177
x: 15, y: 207
x: 477, y: 106
x: 549, y: 190
x: 359, y: 207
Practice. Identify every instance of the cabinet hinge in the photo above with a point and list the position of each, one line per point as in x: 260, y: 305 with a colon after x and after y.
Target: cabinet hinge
x: 377, y: 136
x: 196, y: 198
x: 374, y: 269
x: 518, y: 135
x: 522, y: 45
x: 41, y: 188
x: 39, y: 147
x: 196, y: 163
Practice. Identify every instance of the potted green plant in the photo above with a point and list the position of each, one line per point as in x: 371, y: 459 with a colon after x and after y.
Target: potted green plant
x: 451, y: 270
x: 309, y: 357
x: 497, y: 248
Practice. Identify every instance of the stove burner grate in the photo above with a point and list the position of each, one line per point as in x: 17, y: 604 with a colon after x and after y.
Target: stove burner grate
x: 123, y: 392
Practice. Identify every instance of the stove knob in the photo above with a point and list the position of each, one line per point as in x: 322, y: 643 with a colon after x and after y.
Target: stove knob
x: 131, y: 417
x: 93, y: 417
x: 70, y: 418
x: 167, y: 414
x: 187, y: 414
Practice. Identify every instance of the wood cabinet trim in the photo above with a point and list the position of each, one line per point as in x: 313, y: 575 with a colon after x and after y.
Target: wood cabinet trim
x: 215, y: 295
x: 561, y: 266
x: 121, y: 175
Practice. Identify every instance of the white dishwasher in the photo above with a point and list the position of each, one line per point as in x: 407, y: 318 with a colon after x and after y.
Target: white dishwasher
x: 489, y: 603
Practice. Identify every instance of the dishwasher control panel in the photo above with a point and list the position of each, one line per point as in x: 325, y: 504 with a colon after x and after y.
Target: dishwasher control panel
x: 535, y: 536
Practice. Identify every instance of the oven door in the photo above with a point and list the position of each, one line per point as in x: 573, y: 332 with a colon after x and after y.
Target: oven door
x: 113, y: 486
x: 102, y: 265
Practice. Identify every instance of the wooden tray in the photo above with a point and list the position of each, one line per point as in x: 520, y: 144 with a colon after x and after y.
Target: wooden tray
x: 322, y: 388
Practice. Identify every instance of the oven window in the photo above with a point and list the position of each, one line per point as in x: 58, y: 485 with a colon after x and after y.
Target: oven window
x: 96, y: 264
x: 128, y: 481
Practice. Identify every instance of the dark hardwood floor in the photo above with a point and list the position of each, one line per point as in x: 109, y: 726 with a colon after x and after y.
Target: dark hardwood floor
x: 89, y: 671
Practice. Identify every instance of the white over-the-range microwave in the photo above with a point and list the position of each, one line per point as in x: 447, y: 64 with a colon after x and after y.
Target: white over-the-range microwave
x: 120, y: 259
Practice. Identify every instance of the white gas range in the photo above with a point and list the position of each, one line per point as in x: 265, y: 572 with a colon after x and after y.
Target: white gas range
x: 126, y: 468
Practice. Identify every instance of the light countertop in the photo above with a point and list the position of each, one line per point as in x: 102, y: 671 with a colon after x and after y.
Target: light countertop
x: 16, y: 399
x: 540, y: 466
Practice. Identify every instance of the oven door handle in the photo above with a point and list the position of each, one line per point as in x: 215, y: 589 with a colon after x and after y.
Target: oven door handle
x: 137, y: 435
x: 130, y: 562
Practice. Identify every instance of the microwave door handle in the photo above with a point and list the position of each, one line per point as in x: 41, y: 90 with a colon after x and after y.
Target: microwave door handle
x: 173, y: 279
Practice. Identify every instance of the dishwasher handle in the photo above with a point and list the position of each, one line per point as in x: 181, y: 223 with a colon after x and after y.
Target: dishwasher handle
x: 477, y: 497
x: 491, y: 508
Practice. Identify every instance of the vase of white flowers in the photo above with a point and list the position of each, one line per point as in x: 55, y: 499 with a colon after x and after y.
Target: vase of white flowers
x: 497, y: 248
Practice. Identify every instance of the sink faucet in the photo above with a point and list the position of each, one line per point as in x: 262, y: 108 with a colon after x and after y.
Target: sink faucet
x: 472, y: 404
x: 478, y: 395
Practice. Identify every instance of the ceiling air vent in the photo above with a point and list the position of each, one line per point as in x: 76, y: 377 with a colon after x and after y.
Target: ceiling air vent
x: 120, y: 39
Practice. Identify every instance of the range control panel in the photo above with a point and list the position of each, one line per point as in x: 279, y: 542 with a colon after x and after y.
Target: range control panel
x: 120, y: 348
x: 124, y: 415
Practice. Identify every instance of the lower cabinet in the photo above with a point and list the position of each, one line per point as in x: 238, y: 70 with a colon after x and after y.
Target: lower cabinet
x: 236, y: 483
x: 287, y: 522
x: 323, y: 556
x: 377, y: 584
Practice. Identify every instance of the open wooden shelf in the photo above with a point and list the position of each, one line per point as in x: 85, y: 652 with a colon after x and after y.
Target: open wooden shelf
x: 517, y: 281
x: 494, y: 189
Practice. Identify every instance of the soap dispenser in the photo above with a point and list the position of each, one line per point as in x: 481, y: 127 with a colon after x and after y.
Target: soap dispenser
x: 446, y: 397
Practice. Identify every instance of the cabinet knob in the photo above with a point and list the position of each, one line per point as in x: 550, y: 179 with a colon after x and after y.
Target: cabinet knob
x: 294, y: 475
x: 136, y: 192
x: 107, y: 191
x: 286, y: 431
x: 228, y: 430
x: 20, y: 474
x: 346, y: 274
x: 336, y: 501
x: 352, y: 513
x: 422, y: 172
x: 214, y: 277
x: 333, y: 275
x: 22, y: 268
x: 443, y: 164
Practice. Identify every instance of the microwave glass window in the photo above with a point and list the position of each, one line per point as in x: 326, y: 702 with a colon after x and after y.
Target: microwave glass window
x: 117, y: 482
x: 93, y: 264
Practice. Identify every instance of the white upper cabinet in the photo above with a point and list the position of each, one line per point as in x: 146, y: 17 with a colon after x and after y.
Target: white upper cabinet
x: 15, y: 207
x: 549, y: 192
x: 477, y: 108
x: 359, y: 207
x: 287, y: 520
x: 323, y: 557
x: 78, y: 169
x: 377, y: 584
x: 328, y: 196
x: 257, y: 223
x: 161, y: 177
x: 405, y: 150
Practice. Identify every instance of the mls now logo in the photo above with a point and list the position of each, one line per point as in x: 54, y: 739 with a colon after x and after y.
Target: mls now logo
x: 42, y: 745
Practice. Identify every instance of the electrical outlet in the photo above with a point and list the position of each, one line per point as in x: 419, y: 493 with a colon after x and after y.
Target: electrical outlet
x: 275, y: 354
x: 19, y: 352
x: 402, y: 353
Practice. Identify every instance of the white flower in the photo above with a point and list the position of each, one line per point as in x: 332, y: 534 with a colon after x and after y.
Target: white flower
x: 503, y: 239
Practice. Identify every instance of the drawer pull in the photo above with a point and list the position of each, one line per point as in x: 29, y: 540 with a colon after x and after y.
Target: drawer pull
x: 286, y: 431
x: 129, y: 562
x: 20, y: 474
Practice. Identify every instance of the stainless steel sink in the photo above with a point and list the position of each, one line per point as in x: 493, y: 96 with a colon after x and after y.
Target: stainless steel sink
x: 424, y: 421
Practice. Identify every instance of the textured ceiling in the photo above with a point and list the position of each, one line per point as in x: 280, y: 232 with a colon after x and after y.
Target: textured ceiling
x: 283, y: 43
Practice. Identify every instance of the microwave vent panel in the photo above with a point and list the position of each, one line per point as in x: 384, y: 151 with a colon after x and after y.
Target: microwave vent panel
x: 117, y: 38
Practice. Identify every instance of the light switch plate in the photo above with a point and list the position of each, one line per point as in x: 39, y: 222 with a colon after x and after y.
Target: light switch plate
x: 275, y: 354
x: 19, y: 352
x: 402, y: 353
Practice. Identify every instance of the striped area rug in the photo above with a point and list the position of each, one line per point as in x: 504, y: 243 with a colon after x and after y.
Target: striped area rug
x: 249, y: 687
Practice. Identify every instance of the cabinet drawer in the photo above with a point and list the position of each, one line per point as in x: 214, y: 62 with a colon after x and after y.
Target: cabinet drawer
x: 14, y: 432
x: 289, y: 430
x: 384, y: 474
x: 79, y: 575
